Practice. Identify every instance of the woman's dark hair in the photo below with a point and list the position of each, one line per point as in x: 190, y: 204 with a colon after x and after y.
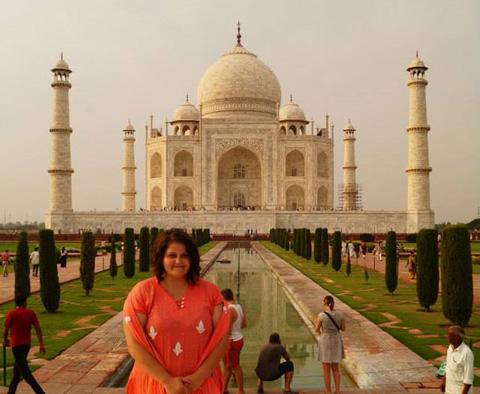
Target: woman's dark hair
x: 227, y: 294
x: 274, y: 339
x: 328, y: 300
x: 160, y: 246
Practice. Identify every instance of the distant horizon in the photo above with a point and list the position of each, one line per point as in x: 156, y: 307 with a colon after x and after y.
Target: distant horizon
x: 349, y: 60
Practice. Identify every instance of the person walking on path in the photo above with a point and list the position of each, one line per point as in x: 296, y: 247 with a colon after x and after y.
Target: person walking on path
x: 63, y: 257
x: 35, y: 259
x: 232, y: 358
x: 18, y: 324
x: 270, y: 368
x: 458, y: 377
x: 363, y: 249
x: 412, y: 264
x: 329, y: 324
x: 5, y: 261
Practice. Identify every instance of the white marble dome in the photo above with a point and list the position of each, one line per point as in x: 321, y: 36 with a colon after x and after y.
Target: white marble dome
x: 61, y: 65
x: 417, y: 63
x: 239, y: 84
x: 186, y: 112
x: 291, y: 112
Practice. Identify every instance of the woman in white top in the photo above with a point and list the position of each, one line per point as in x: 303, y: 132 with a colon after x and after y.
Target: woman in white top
x: 330, y: 346
x: 232, y: 358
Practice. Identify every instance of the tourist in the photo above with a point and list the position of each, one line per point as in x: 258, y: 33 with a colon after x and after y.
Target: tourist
x: 458, y: 377
x: 63, y: 257
x: 329, y: 324
x: 18, y: 324
x: 5, y: 261
x: 176, y: 324
x: 270, y: 368
x: 232, y: 358
x: 412, y: 264
x: 35, y: 260
x: 351, y: 249
x: 363, y: 249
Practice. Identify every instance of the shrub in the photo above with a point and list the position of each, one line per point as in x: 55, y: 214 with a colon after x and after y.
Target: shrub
x: 317, y: 245
x: 337, y: 251
x: 113, y: 259
x: 22, y: 268
x: 308, y: 244
x: 366, y: 237
x: 287, y: 240
x: 325, y: 251
x: 87, y: 261
x: 129, y: 253
x: 49, y: 284
x: 391, y: 262
x: 411, y: 238
x: 144, y: 249
x: 153, y: 234
x: 349, y: 263
x: 457, y: 282
x: 427, y: 268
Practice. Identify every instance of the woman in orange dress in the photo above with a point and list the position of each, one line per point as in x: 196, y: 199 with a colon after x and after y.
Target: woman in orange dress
x: 176, y: 324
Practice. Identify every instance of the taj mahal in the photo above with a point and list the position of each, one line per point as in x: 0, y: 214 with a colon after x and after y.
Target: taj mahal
x: 241, y: 160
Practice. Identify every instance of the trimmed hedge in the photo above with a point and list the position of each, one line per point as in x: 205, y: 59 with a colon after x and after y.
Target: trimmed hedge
x: 317, y: 238
x: 325, y: 253
x: 153, y: 235
x: 337, y: 251
x: 49, y: 283
x: 113, y: 259
x: 308, y: 244
x: 22, y: 268
x: 457, y: 281
x: 366, y: 237
x: 391, y: 262
x: 427, y: 268
x: 144, y: 249
x: 87, y: 261
x: 129, y: 253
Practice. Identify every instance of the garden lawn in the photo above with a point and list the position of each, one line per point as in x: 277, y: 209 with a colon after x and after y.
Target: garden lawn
x: 372, y: 300
x: 12, y: 245
x: 78, y: 314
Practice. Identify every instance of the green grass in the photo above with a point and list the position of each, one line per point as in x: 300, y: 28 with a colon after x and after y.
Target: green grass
x: 74, y: 306
x: 12, y: 246
x: 403, y: 304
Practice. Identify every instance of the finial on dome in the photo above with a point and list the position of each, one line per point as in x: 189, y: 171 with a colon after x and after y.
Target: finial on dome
x: 61, y: 55
x: 416, y: 54
x: 291, y: 98
x: 187, y: 98
x: 239, y: 35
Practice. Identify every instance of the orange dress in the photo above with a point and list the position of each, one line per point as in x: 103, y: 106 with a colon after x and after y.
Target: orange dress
x: 180, y: 336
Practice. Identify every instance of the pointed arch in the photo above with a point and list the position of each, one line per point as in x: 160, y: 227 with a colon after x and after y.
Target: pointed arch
x: 183, y: 164
x: 156, y: 166
x: 294, y: 164
x: 322, y: 198
x: 295, y: 198
x: 183, y: 198
x: 156, y: 199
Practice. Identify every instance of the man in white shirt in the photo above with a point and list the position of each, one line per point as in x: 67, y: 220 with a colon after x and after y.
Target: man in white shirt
x: 35, y: 259
x: 459, y: 371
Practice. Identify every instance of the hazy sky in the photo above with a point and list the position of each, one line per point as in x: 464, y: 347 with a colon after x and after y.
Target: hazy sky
x: 133, y: 58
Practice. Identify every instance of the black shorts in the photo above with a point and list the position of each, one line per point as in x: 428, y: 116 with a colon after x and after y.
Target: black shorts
x: 283, y: 368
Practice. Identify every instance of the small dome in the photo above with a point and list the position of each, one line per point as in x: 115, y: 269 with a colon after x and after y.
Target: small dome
x: 292, y: 111
x: 349, y: 126
x: 186, y: 113
x: 129, y: 127
x: 417, y: 63
x: 61, y: 65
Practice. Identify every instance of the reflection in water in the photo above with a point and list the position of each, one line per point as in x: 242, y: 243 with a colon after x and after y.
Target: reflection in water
x: 268, y: 310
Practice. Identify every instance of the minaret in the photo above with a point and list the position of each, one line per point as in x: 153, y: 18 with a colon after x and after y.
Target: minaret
x: 128, y: 190
x: 418, y: 169
x: 60, y: 163
x: 350, y: 189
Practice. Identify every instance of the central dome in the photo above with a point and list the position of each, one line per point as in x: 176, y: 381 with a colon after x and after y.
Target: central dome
x: 239, y: 85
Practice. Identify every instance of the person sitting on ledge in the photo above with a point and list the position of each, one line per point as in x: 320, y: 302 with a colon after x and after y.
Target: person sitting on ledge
x: 270, y: 368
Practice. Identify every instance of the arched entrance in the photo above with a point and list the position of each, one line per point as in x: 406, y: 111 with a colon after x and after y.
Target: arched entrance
x: 183, y: 198
x: 295, y: 198
x: 239, y: 183
x: 156, y: 199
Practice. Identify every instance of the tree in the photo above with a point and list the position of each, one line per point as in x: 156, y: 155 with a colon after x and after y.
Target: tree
x: 391, y: 262
x: 144, y: 249
x: 49, y: 284
x: 287, y: 240
x: 349, y: 263
x: 113, y: 258
x: 153, y: 235
x: 427, y: 268
x: 325, y: 251
x: 308, y: 244
x: 303, y: 243
x: 22, y: 268
x: 317, y: 239
x: 129, y: 253
x: 457, y: 281
x: 337, y: 251
x: 87, y: 261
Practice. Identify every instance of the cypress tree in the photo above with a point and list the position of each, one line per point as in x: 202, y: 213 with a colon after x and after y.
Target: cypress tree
x: 457, y: 281
x: 129, y: 253
x: 87, y: 261
x: 391, y: 262
x: 22, y: 268
x: 337, y: 251
x: 316, y: 245
x: 427, y: 268
x: 153, y: 235
x: 303, y: 243
x: 207, y: 233
x: 349, y: 263
x: 113, y: 258
x: 294, y: 241
x: 144, y: 249
x: 49, y: 284
x: 287, y: 240
x: 308, y: 244
x: 325, y: 250
x: 270, y: 235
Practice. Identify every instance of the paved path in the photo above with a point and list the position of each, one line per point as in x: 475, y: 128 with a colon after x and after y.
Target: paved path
x: 85, y: 365
x: 403, y: 273
x: 67, y: 274
x: 374, y: 358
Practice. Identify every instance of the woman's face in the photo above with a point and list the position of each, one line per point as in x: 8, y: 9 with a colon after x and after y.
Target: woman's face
x: 176, y: 261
